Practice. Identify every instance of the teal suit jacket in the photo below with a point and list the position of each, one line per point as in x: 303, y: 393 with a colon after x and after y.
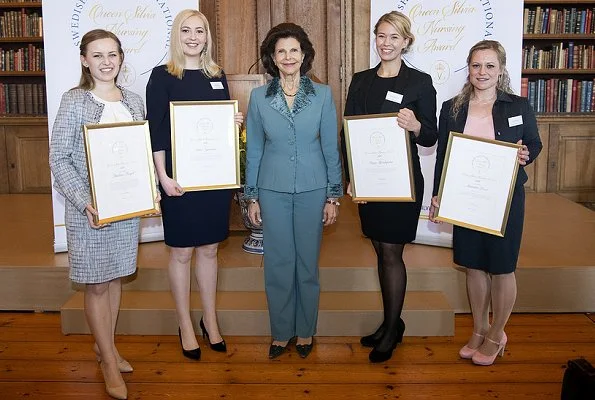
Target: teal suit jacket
x: 292, y: 151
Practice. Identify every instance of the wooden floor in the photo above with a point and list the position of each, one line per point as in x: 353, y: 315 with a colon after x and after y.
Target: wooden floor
x: 38, y: 362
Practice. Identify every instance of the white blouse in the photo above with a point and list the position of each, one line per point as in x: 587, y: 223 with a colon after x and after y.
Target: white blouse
x: 113, y: 111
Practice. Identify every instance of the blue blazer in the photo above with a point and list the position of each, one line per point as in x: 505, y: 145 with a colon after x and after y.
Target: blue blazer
x: 292, y: 151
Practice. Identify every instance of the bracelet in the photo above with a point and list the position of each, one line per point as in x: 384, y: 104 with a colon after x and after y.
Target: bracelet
x: 253, y: 201
x: 333, y: 202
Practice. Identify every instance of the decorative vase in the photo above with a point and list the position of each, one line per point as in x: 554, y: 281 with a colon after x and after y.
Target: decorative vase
x: 253, y: 242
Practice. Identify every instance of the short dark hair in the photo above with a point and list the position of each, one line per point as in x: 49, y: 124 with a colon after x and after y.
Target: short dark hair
x: 283, y: 31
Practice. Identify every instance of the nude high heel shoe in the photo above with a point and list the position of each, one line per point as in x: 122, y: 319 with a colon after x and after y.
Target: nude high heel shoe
x: 119, y: 392
x: 482, y: 359
x: 467, y: 352
x: 123, y: 365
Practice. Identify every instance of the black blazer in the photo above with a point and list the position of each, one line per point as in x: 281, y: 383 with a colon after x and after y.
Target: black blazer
x: 419, y: 96
x: 505, y: 107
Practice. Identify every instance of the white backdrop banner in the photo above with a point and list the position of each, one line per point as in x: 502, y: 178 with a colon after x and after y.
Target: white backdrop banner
x: 444, y: 32
x: 144, y: 28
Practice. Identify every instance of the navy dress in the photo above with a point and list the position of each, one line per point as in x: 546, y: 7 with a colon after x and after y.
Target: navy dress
x: 195, y: 218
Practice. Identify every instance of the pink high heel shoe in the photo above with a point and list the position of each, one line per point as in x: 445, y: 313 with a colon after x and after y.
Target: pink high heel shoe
x: 482, y: 359
x: 467, y: 352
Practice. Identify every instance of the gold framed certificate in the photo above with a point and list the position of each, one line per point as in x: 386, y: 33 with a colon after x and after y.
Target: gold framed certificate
x: 205, y: 144
x: 477, y: 183
x: 379, y: 158
x: 121, y: 171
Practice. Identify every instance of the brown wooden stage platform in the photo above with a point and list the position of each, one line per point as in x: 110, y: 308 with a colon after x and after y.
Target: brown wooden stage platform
x: 556, y: 273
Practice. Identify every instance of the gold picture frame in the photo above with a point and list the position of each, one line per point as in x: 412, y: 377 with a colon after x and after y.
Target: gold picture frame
x: 121, y: 170
x: 477, y: 183
x: 376, y: 162
x: 205, y: 144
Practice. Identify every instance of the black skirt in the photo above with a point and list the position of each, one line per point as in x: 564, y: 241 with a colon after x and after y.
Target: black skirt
x: 394, y: 223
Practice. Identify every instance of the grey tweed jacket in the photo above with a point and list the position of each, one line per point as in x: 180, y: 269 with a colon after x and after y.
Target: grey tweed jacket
x: 68, y: 161
x: 94, y: 255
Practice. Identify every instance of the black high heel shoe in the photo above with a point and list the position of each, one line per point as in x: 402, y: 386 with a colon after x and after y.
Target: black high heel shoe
x: 377, y: 356
x: 373, y: 339
x: 220, y: 347
x: 193, y: 354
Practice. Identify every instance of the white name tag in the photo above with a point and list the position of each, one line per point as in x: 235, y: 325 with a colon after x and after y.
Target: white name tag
x: 514, y: 121
x: 394, y: 97
x: 217, y: 85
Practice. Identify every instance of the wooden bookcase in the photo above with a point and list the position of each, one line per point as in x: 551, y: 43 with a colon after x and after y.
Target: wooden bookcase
x: 567, y: 163
x: 23, y: 115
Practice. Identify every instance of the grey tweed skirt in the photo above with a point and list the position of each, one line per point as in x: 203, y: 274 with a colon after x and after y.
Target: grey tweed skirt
x: 100, y: 255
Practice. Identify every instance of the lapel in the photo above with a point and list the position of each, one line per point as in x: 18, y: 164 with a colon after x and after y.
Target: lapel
x: 387, y: 105
x: 399, y: 87
x: 499, y: 116
x: 302, y: 97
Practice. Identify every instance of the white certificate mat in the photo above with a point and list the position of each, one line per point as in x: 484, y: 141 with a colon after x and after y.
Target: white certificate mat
x: 379, y: 157
x: 477, y: 183
x: 205, y: 144
x: 121, y: 172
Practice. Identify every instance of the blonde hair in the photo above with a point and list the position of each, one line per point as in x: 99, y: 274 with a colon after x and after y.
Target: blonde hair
x: 175, y: 65
x: 503, y: 81
x: 87, y: 82
x: 401, y: 23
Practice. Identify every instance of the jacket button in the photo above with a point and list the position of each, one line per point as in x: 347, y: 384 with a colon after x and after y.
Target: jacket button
x: 292, y: 158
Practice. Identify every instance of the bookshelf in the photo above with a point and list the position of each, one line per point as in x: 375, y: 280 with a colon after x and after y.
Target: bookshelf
x: 558, y: 77
x: 23, y: 109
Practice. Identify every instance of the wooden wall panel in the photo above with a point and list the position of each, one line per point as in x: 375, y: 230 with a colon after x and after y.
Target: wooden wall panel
x: 537, y: 170
x: 572, y: 161
x: 28, y: 159
x: 4, y: 188
x: 239, y: 27
x: 237, y: 41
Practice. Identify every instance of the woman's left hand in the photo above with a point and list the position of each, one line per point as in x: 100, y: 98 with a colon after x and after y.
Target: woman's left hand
x: 238, y: 118
x: 406, y: 119
x: 523, y: 153
x: 330, y: 214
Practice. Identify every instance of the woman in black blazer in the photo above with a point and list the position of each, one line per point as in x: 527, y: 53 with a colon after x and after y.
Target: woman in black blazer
x: 393, y: 87
x: 486, y: 107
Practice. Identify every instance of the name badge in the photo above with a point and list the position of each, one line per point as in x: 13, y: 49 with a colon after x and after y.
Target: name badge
x: 394, y: 97
x: 217, y: 85
x: 514, y: 121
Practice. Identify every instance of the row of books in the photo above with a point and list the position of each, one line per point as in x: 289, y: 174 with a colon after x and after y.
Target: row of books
x: 560, y: 56
x: 23, y: 23
x: 559, y: 95
x: 30, y: 58
x: 22, y: 99
x: 556, y: 21
x: 20, y: 1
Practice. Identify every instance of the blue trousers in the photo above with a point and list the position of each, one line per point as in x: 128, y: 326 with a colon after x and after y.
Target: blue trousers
x: 292, y: 232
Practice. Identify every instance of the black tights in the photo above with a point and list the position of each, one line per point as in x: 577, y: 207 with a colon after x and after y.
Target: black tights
x: 393, y: 283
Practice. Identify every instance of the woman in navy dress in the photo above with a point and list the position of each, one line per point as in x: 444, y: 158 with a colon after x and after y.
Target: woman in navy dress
x: 485, y: 107
x: 193, y: 220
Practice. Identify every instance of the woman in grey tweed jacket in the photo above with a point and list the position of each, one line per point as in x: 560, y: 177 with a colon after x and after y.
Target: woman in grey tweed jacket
x: 98, y: 255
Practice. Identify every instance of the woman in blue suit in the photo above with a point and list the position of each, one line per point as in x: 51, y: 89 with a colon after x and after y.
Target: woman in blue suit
x: 293, y: 180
